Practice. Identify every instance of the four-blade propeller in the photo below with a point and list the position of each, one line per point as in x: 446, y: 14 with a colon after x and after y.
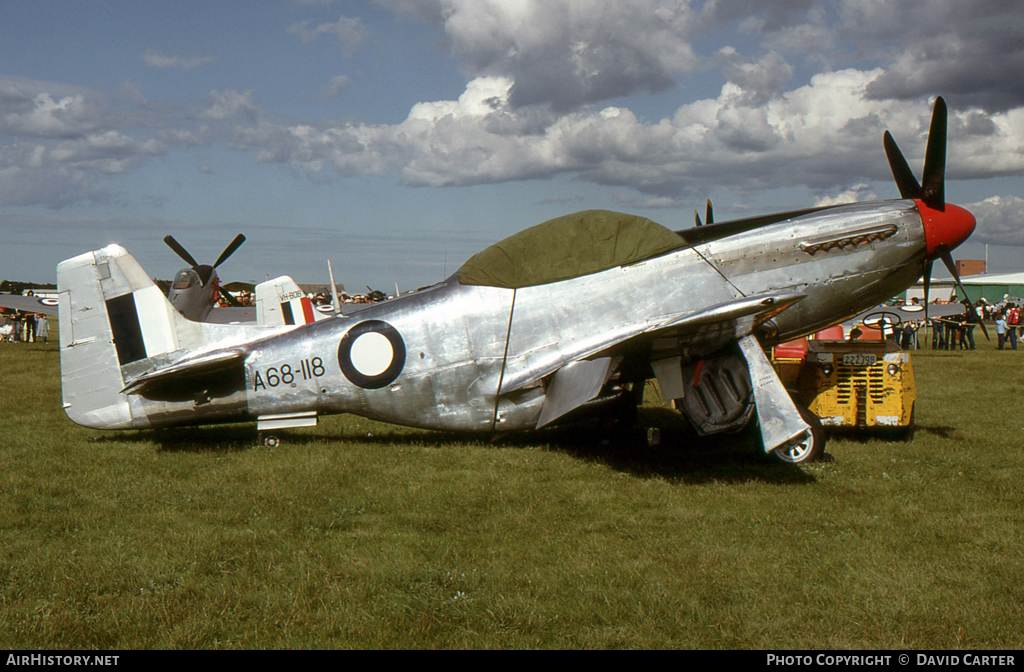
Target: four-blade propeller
x: 931, y: 192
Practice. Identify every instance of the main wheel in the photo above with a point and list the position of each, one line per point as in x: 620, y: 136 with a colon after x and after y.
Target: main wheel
x: 808, y: 448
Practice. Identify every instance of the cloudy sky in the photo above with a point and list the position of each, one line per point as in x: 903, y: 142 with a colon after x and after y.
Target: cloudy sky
x: 398, y: 137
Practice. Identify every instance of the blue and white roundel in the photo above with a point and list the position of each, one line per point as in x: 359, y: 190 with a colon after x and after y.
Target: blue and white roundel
x: 371, y: 354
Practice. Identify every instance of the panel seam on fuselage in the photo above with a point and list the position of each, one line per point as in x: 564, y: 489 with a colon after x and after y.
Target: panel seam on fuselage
x: 504, y: 359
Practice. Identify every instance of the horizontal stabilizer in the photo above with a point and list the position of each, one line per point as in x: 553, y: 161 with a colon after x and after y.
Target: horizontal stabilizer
x: 184, y: 369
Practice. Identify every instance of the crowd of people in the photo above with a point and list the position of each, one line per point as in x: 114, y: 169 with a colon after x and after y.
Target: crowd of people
x: 20, y: 327
x: 953, y: 332
x: 956, y: 332
x: 321, y: 298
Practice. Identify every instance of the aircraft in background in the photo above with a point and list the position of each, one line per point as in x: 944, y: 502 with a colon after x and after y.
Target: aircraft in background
x: 564, y: 320
x: 195, y: 290
x: 29, y: 304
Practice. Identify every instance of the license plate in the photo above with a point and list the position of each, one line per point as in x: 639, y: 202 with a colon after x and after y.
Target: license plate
x: 858, y: 359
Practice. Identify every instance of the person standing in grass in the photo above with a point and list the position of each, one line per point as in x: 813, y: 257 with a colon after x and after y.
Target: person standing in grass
x: 42, y: 328
x: 937, y: 327
x: 1000, y: 330
x: 1012, y: 323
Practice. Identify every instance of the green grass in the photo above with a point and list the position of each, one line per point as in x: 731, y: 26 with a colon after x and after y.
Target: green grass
x: 360, y: 534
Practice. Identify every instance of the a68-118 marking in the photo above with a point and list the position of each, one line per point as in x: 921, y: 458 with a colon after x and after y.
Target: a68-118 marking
x: 286, y: 374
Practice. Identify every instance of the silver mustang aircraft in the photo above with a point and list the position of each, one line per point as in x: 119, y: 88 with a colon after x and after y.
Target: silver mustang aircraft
x: 563, y: 320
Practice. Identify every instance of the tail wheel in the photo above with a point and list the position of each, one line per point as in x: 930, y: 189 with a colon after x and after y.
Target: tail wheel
x: 808, y: 448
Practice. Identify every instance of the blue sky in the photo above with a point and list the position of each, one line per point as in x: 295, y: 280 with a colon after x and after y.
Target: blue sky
x: 398, y: 137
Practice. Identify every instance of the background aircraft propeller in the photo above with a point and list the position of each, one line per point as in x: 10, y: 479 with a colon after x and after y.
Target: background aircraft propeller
x: 204, y: 270
x: 181, y: 251
x: 229, y: 250
x: 931, y: 191
x: 709, y: 215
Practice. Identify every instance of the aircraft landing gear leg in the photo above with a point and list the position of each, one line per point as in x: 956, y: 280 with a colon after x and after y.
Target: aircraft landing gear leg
x: 808, y: 448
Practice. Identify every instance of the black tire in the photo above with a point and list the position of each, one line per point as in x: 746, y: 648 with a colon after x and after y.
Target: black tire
x: 811, y: 448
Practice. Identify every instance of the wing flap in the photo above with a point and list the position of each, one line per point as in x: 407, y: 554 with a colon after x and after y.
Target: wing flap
x: 573, y: 385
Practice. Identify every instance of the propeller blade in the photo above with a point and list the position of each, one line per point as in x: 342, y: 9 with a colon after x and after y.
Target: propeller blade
x: 947, y: 259
x: 710, y: 215
x: 905, y: 180
x: 927, y: 281
x: 933, y: 191
x: 696, y: 218
x: 229, y: 250
x: 228, y: 298
x: 181, y: 251
x: 972, y: 314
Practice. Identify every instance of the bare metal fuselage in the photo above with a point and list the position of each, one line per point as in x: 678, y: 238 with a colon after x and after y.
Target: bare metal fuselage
x: 476, y: 358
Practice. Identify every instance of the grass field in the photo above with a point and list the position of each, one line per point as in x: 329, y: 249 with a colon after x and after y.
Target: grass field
x: 359, y: 534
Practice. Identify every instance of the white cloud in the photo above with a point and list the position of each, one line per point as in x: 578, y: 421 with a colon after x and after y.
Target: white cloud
x: 856, y: 193
x: 334, y: 88
x: 970, y: 52
x: 483, y: 96
x: 823, y: 135
x: 1000, y: 220
x: 653, y: 203
x: 350, y: 32
x: 566, y: 54
x: 65, y: 139
x: 109, y: 152
x: 228, y: 104
x: 158, y: 60
x: 547, y: 95
x: 42, y: 115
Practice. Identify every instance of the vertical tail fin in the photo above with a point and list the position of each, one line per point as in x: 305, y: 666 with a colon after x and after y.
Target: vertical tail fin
x: 280, y: 302
x: 112, y: 315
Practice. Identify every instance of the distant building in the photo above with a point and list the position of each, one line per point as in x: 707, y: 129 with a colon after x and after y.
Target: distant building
x: 993, y: 288
x: 970, y: 267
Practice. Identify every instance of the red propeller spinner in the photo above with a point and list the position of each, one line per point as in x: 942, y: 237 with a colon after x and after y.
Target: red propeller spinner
x: 946, y: 228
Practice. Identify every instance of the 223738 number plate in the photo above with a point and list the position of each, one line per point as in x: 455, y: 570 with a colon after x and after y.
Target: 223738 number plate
x: 858, y: 359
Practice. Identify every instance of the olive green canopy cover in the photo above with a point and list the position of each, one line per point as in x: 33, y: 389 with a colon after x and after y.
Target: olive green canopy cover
x: 568, y: 247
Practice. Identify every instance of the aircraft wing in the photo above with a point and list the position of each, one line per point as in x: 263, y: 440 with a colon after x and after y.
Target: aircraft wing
x: 912, y: 313
x: 684, y: 334
x: 29, y: 304
x: 665, y: 344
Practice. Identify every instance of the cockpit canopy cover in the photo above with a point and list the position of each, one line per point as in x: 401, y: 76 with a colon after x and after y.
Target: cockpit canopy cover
x: 568, y: 247
x: 186, y: 278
